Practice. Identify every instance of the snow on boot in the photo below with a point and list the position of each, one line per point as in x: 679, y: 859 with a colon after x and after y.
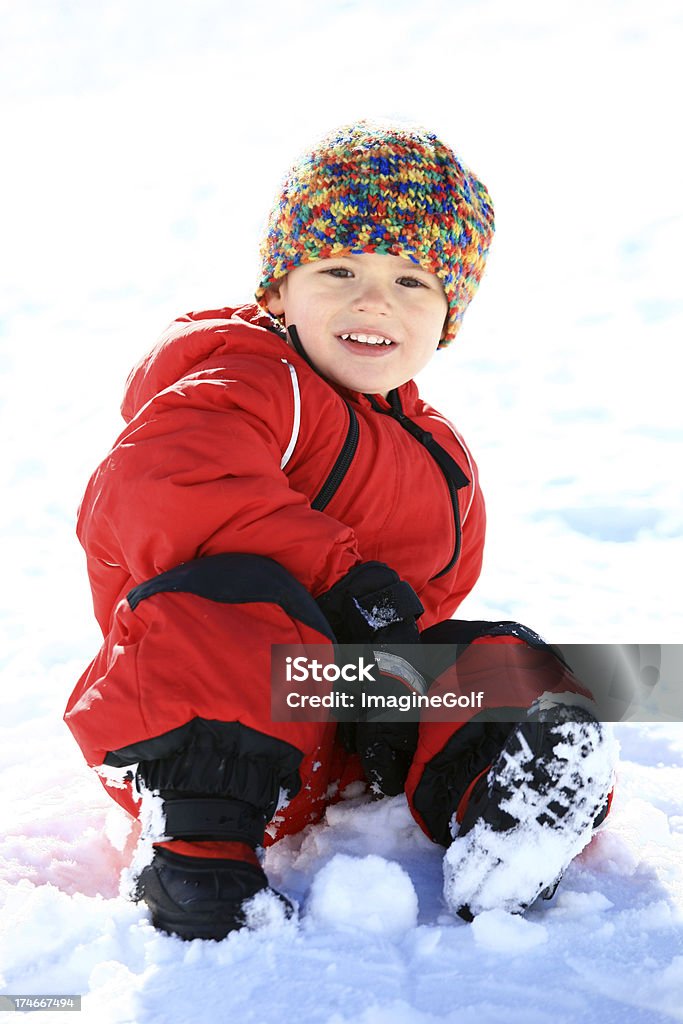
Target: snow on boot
x: 205, y: 897
x: 531, y: 814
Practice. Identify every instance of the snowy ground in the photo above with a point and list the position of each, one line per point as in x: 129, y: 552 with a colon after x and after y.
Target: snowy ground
x: 142, y: 144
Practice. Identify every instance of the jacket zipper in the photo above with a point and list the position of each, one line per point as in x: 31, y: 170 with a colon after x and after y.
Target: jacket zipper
x: 453, y: 474
x: 458, y: 529
x: 341, y: 466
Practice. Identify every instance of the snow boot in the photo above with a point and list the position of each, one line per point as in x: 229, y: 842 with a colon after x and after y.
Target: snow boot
x: 208, y: 897
x: 531, y: 814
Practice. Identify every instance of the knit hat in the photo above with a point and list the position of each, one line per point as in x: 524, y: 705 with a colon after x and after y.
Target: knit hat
x: 383, y: 188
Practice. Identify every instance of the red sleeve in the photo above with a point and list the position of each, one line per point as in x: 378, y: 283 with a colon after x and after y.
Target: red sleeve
x: 197, y: 472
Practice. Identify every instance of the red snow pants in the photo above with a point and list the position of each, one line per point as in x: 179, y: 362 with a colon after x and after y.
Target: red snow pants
x: 181, y: 689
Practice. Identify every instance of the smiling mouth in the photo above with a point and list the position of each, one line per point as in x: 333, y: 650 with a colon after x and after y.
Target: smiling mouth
x: 377, y: 340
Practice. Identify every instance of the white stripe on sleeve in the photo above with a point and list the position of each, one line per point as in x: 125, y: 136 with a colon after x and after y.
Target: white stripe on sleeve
x: 297, y: 415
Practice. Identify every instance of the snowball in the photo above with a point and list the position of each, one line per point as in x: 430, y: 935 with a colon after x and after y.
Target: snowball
x: 370, y: 894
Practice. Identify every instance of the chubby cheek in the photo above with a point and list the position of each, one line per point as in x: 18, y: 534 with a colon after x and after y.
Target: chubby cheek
x: 425, y: 347
x: 306, y: 318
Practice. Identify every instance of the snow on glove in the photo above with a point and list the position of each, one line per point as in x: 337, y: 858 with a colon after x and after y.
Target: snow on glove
x: 373, y: 607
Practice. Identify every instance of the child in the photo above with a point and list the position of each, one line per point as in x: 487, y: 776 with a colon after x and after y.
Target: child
x: 278, y: 479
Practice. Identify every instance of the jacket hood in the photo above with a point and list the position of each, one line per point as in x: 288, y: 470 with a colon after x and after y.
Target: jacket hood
x: 185, y: 344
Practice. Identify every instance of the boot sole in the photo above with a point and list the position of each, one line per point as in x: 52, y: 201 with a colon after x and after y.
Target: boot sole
x: 536, y: 816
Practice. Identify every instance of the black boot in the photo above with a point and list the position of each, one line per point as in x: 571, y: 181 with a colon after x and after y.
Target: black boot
x: 531, y: 813
x: 198, y: 896
x: 203, y: 897
x: 220, y: 783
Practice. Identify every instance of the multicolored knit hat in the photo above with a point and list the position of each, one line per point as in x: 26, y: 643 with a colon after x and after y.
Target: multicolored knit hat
x: 372, y: 187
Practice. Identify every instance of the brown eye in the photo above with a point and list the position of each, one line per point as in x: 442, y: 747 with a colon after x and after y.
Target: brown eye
x: 411, y: 282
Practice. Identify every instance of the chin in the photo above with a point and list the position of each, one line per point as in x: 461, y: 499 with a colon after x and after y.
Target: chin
x: 369, y: 387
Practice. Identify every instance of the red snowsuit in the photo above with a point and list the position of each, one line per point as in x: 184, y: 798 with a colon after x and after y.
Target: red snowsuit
x: 232, y: 447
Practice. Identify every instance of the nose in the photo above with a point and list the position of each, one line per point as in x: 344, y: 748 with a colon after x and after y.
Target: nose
x: 372, y: 296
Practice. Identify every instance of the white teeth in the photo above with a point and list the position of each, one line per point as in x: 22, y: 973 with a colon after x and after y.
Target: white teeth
x: 367, y: 339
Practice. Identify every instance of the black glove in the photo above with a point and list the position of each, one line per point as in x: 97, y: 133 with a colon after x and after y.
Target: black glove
x: 372, y: 603
x: 373, y: 607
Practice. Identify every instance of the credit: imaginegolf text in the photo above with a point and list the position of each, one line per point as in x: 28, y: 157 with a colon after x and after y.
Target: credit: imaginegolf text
x: 303, y: 670
x: 356, y: 682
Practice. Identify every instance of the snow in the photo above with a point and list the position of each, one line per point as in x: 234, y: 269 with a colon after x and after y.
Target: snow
x: 500, y: 932
x: 143, y: 142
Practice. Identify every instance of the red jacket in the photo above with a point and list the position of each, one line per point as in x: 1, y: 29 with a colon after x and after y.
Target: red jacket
x: 230, y: 435
x: 234, y: 444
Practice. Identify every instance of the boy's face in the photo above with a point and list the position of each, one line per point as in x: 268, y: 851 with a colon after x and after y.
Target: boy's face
x: 368, y: 295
